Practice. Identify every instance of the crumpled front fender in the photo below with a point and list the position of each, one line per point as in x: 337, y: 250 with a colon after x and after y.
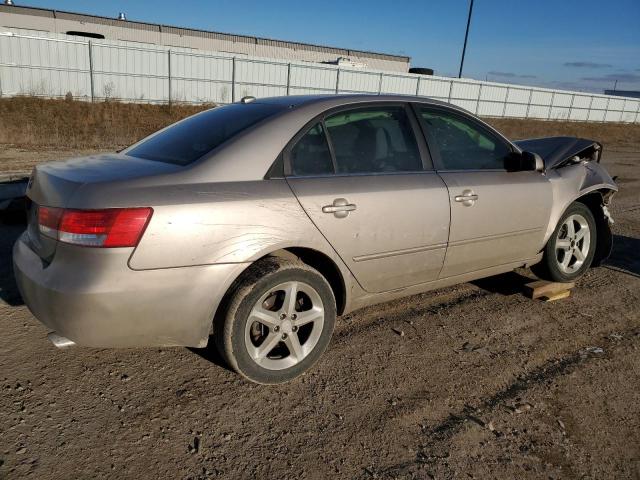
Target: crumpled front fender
x: 591, y: 183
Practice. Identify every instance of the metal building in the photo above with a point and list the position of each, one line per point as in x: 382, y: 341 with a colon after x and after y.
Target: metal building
x: 623, y: 93
x: 91, y: 26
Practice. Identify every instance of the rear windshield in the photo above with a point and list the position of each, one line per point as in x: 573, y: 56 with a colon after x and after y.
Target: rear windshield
x: 190, y: 139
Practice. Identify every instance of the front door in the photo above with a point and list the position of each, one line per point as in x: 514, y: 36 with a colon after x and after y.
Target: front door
x: 497, y: 216
x: 360, y: 177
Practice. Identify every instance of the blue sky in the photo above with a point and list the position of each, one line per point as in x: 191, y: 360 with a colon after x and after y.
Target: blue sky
x: 574, y: 44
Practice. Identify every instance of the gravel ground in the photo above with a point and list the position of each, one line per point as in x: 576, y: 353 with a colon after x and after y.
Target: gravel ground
x: 483, y: 383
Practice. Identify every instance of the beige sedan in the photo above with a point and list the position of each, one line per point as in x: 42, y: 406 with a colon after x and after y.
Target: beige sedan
x: 258, y: 223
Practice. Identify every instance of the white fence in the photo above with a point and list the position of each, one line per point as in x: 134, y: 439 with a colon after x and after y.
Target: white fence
x: 52, y: 65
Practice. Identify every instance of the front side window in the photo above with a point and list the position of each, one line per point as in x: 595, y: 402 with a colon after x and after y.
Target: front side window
x: 462, y: 144
x: 373, y: 140
x: 310, y: 155
x: 194, y: 137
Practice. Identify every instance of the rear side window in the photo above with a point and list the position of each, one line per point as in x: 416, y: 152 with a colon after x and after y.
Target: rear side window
x: 464, y: 145
x: 311, y: 155
x: 373, y: 140
x: 192, y: 138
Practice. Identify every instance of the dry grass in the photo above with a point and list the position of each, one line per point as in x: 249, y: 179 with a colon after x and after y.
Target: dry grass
x: 29, y: 123
x: 612, y: 135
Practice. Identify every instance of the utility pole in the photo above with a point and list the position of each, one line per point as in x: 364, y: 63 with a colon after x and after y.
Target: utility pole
x: 466, y: 36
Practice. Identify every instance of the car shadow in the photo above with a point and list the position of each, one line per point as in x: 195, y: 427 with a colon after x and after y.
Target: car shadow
x: 8, y: 288
x: 625, y: 256
x: 510, y: 283
x: 210, y: 354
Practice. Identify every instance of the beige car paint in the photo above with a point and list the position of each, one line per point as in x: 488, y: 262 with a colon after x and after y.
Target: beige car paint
x: 572, y: 182
x: 396, y: 236
x: 226, y: 223
x: 214, y: 218
x: 502, y: 225
x: 103, y: 303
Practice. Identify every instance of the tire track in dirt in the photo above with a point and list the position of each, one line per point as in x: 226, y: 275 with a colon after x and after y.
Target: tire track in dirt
x: 401, y: 403
x: 446, y: 430
x: 424, y: 305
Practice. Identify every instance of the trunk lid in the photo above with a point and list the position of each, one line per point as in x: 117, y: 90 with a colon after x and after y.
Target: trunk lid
x: 54, y: 184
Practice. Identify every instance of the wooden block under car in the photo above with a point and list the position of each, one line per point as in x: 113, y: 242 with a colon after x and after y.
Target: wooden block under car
x: 548, y: 290
x: 556, y: 296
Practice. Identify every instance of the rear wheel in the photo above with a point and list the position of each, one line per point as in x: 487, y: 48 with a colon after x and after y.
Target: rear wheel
x: 278, y: 322
x: 570, y: 250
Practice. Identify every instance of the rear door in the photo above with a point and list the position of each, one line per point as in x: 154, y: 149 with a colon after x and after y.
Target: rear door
x: 359, y: 173
x: 497, y: 216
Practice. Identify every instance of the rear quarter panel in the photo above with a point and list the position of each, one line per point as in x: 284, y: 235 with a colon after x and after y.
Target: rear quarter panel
x: 224, y: 223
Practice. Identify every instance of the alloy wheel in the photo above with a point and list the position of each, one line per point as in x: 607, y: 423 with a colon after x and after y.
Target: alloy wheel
x: 573, y: 243
x: 284, y: 325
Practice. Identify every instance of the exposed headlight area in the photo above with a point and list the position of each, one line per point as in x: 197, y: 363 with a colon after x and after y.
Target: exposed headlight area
x: 108, y: 228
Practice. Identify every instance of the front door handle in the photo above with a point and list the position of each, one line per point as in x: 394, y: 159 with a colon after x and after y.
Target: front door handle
x: 340, y: 208
x: 468, y: 198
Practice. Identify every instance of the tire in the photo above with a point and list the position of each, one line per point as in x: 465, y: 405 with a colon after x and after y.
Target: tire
x: 262, y: 335
x: 566, y: 257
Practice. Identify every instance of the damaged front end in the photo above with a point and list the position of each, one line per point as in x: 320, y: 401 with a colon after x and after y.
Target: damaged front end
x: 558, y: 152
x: 573, y: 167
x: 598, y: 202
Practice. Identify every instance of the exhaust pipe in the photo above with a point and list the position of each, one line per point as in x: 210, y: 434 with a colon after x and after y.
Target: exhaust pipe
x: 60, y: 341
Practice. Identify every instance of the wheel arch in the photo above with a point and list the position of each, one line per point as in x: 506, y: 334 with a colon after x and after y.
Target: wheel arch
x: 595, y: 200
x: 324, y: 264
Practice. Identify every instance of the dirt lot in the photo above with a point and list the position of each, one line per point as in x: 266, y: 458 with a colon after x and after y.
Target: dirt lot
x: 484, y: 383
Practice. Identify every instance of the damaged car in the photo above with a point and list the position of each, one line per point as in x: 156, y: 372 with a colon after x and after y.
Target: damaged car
x: 258, y: 223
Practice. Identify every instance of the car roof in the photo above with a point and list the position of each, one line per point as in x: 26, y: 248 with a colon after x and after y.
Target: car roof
x: 319, y: 103
x: 336, y: 100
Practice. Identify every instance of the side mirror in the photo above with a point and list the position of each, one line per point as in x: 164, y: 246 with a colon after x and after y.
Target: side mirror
x: 532, y: 161
x: 525, y: 162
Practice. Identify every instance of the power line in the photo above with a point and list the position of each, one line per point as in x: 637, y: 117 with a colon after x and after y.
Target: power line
x: 466, y: 36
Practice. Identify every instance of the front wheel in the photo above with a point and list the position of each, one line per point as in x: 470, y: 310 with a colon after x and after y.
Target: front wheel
x: 278, y: 321
x: 570, y: 250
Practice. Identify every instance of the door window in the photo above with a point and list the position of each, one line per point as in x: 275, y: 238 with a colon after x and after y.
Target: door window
x: 464, y: 145
x: 373, y: 140
x: 310, y: 155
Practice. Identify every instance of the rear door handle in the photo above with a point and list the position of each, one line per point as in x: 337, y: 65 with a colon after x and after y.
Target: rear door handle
x: 468, y: 198
x: 340, y: 208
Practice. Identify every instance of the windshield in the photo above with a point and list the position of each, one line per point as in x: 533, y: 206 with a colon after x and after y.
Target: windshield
x: 188, y: 140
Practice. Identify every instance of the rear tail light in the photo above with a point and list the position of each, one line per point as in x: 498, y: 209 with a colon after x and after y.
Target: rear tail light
x: 112, y: 227
x: 48, y: 221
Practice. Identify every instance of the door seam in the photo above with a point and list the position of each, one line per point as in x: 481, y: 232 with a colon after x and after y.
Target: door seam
x: 323, y: 236
x: 446, y: 252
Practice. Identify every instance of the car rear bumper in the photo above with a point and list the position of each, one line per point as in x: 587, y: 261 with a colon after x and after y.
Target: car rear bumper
x: 91, y: 297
